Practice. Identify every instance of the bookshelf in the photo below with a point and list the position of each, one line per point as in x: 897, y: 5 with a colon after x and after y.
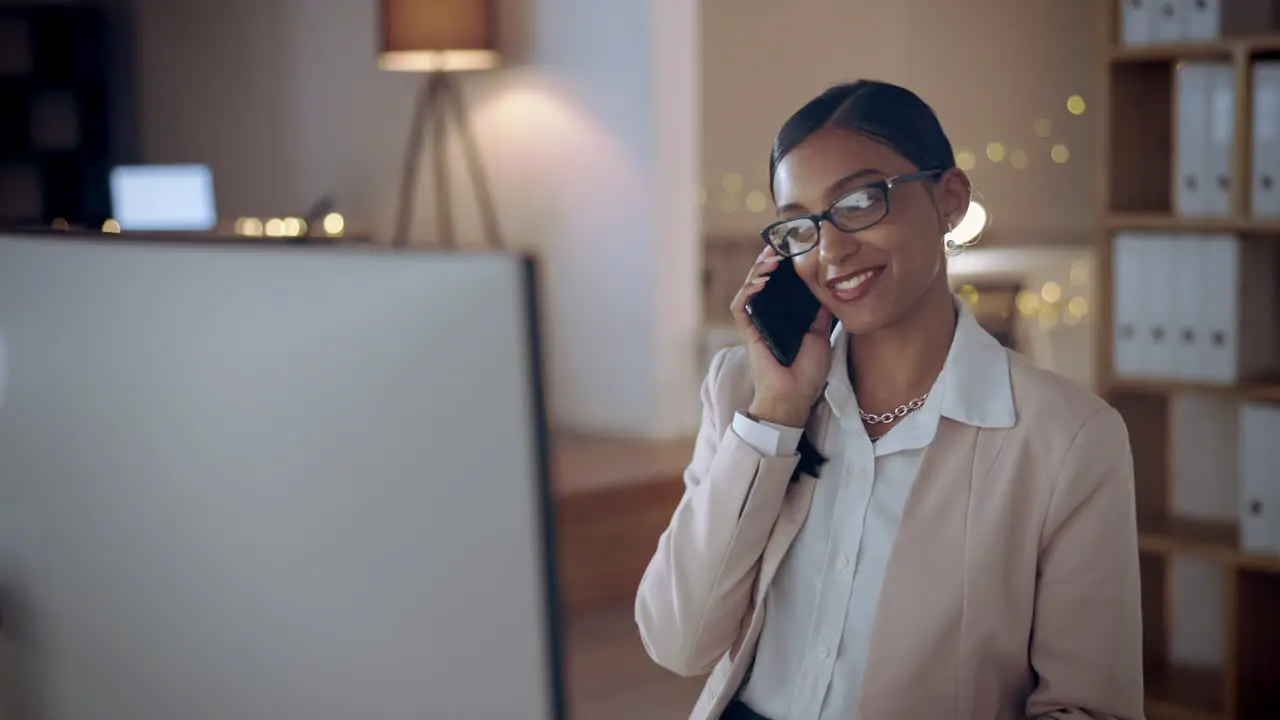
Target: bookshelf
x: 1211, y: 606
x: 58, y: 99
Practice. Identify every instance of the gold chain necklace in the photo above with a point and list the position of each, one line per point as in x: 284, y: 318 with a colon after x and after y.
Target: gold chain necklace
x: 897, y: 413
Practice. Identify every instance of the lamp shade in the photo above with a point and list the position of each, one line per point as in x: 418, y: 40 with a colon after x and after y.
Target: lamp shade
x: 971, y: 226
x: 433, y: 35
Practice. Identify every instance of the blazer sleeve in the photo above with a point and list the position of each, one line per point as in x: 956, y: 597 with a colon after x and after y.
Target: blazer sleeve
x: 697, y: 588
x: 1086, y: 644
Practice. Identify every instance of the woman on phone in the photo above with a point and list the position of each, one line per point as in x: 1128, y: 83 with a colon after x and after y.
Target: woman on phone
x: 909, y: 521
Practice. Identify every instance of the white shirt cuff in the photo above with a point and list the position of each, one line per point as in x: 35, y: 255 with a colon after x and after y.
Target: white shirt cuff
x: 767, y: 438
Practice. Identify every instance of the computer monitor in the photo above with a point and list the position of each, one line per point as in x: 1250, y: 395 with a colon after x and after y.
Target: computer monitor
x: 276, y: 483
x: 175, y: 198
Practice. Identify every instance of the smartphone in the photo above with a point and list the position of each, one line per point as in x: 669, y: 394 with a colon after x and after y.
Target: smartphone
x: 784, y: 311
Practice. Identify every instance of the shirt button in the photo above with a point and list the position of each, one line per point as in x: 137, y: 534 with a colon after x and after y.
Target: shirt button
x: 843, y: 562
x: 823, y: 653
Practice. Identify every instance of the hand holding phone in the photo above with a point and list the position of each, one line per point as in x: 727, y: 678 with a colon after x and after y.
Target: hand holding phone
x: 787, y: 333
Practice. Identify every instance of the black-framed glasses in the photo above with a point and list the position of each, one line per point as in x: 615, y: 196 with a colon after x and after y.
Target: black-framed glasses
x: 856, y: 210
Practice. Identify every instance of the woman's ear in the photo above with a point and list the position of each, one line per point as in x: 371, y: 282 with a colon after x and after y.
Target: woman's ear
x: 954, y: 192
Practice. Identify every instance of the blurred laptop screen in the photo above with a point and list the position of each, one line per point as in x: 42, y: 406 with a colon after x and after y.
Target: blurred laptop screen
x: 163, y: 197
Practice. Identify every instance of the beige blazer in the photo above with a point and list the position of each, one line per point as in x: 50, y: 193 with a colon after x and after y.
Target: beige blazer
x: 1012, y: 591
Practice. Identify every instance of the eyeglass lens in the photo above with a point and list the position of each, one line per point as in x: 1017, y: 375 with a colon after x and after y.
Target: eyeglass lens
x: 858, y: 210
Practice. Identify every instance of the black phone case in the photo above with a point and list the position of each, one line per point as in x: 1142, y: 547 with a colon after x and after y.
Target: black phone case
x: 783, y: 312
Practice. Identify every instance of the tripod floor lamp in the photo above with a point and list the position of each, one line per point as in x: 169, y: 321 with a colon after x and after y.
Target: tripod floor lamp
x: 440, y: 38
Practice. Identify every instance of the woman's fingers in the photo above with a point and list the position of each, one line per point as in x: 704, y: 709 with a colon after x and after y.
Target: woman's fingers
x: 764, y: 264
x: 754, y: 283
x: 739, y: 309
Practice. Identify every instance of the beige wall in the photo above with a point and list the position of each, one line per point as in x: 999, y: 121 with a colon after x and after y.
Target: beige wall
x: 593, y: 143
x: 990, y: 68
x: 590, y: 135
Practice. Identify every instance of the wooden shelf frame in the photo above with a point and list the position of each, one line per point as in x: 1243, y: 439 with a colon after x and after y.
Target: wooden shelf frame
x: 1222, y: 48
x: 1269, y: 229
x: 1253, y: 391
x: 1135, y: 191
x: 1213, y: 541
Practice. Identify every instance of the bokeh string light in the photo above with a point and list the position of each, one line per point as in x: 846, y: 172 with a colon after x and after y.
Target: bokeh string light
x: 732, y: 194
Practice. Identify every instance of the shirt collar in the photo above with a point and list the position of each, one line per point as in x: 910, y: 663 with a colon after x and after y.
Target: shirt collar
x: 978, y: 390
x: 974, y: 385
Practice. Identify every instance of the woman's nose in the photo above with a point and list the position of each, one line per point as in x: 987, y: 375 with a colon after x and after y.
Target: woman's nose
x: 835, y: 245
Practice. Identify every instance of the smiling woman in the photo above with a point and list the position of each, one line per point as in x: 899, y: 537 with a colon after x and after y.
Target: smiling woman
x: 909, y: 519
x: 869, y: 153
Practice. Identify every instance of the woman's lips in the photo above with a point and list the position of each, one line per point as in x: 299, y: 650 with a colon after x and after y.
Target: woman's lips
x: 856, y: 285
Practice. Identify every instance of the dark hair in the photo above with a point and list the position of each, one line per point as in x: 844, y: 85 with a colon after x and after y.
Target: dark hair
x: 882, y: 111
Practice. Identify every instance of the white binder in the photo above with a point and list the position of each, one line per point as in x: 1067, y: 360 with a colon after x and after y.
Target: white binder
x: 1158, y: 308
x: 1138, y: 22
x: 1211, y: 264
x: 1189, y: 326
x: 1194, y: 307
x: 1265, y: 184
x: 1145, y: 305
x: 1260, y: 479
x: 1220, y: 151
x: 1192, y: 131
x: 1203, y: 19
x: 1170, y: 21
x: 1220, y: 266
x: 1128, y: 329
x: 1205, y: 139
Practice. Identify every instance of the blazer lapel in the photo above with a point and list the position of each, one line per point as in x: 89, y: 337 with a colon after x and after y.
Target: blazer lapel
x: 918, y: 620
x: 795, y: 508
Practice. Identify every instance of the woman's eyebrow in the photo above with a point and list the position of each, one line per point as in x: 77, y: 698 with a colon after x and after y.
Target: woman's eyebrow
x: 842, y: 183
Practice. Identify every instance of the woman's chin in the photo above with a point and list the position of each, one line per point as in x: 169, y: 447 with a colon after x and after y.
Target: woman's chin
x: 861, y: 319
x: 859, y: 323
